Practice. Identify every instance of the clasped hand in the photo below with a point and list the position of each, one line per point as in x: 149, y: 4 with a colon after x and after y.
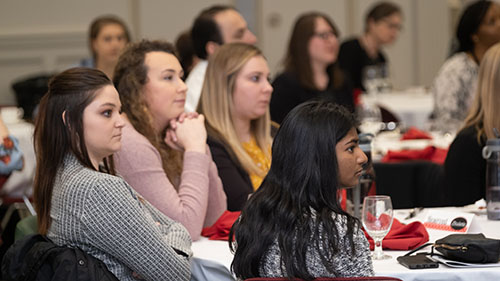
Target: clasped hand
x: 187, y: 133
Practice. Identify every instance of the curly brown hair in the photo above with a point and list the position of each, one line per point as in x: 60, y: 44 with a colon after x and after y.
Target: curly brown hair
x: 131, y: 74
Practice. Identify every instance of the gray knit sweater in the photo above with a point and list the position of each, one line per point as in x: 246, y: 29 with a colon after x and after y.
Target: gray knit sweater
x: 345, y: 263
x: 102, y: 215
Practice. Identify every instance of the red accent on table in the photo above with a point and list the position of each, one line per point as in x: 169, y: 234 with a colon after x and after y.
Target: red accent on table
x: 403, y: 236
x: 430, y: 153
x: 416, y: 134
x: 220, y: 229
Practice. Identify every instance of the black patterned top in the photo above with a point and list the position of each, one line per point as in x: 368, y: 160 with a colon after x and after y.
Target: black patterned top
x: 345, y: 263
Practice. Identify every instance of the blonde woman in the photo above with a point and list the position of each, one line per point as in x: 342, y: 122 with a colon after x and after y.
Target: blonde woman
x: 176, y: 174
x: 235, y: 102
x: 465, y: 168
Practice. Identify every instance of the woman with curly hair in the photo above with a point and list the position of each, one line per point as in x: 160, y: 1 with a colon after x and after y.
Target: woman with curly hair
x: 164, y: 155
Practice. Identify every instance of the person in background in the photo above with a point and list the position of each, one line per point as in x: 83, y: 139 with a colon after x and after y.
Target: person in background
x: 164, y: 154
x: 214, y: 26
x: 310, y: 70
x: 465, y: 168
x: 108, y: 36
x: 187, y: 57
x: 235, y: 102
x: 455, y: 84
x: 293, y: 225
x: 11, y: 157
x: 79, y: 199
x: 382, y: 26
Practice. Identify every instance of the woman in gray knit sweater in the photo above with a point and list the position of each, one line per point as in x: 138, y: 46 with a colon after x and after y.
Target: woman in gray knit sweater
x: 81, y: 202
x: 293, y: 225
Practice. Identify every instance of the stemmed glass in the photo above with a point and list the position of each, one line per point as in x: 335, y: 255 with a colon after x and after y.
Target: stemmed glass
x: 370, y: 116
x: 372, y: 76
x: 377, y: 221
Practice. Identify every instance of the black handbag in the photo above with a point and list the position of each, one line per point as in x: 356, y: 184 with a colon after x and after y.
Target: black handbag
x: 473, y: 248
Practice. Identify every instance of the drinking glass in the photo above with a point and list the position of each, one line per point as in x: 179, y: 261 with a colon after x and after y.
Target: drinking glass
x: 369, y: 116
x: 375, y: 79
x: 377, y: 221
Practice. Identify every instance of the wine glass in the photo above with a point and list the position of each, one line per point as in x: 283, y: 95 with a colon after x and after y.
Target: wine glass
x: 372, y: 76
x: 370, y: 116
x: 377, y: 221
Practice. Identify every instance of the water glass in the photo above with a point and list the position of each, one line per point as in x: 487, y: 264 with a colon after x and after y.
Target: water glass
x: 377, y: 220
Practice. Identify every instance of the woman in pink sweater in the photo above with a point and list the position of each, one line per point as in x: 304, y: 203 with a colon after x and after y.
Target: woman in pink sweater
x: 164, y: 155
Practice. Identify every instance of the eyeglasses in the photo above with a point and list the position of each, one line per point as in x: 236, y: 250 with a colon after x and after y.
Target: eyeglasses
x: 325, y: 35
x: 392, y: 25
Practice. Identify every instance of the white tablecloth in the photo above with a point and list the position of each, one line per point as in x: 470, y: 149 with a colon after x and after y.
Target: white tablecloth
x: 385, y: 141
x: 219, y: 251
x: 412, y: 107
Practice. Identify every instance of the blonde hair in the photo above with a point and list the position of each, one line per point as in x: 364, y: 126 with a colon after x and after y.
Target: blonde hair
x: 216, y: 104
x: 484, y: 114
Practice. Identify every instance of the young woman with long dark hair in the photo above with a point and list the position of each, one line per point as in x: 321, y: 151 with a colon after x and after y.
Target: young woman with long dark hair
x: 310, y: 68
x: 293, y: 225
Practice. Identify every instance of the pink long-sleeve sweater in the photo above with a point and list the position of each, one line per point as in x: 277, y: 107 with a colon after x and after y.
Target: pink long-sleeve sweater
x: 200, y: 198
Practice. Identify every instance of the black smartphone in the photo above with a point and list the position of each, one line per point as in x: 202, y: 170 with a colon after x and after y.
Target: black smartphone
x: 417, y: 262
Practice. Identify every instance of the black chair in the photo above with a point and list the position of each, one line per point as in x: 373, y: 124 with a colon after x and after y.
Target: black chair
x: 29, y: 90
x: 411, y: 183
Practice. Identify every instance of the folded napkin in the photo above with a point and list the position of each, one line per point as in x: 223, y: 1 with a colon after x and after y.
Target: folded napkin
x: 220, y: 229
x: 356, y: 96
x: 430, y: 153
x: 403, y: 236
x: 415, y: 134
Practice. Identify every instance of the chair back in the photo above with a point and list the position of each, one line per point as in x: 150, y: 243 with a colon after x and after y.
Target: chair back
x: 35, y: 257
x: 25, y: 227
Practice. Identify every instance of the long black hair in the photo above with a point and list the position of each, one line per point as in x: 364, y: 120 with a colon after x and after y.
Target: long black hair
x: 297, y: 202
x: 469, y: 24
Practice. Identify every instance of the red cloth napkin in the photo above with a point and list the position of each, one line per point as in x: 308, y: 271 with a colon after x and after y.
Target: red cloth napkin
x: 415, y: 134
x: 220, y: 229
x: 356, y: 96
x: 403, y: 236
x: 430, y: 153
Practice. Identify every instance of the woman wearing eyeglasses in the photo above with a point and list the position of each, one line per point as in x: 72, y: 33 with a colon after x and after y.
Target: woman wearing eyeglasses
x: 310, y: 71
x: 382, y: 25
